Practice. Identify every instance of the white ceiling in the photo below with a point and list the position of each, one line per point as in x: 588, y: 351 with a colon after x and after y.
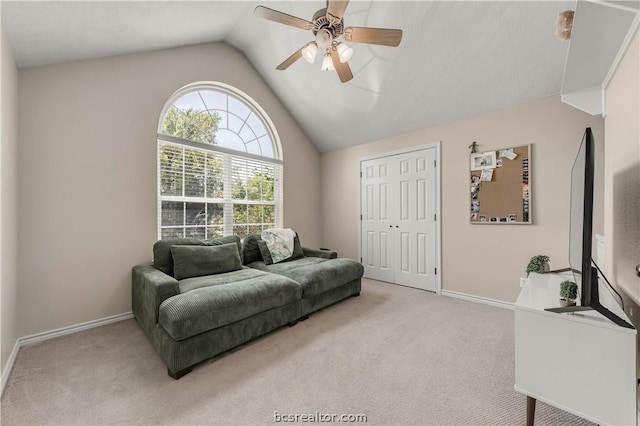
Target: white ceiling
x: 456, y: 58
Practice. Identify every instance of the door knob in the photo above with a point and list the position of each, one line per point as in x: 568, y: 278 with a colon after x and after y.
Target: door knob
x: 638, y: 269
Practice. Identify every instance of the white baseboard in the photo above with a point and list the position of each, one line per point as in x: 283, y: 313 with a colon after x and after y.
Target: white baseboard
x: 9, y: 367
x: 73, y: 329
x: 478, y: 299
x: 47, y: 335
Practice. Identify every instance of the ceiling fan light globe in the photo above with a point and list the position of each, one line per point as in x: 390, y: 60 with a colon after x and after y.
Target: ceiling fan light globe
x: 309, y: 52
x: 344, y: 52
x: 327, y: 63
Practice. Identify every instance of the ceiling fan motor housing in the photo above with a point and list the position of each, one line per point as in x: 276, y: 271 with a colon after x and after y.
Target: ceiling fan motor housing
x: 321, y: 22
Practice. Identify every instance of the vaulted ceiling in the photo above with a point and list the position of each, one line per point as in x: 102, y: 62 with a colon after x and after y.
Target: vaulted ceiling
x: 456, y: 58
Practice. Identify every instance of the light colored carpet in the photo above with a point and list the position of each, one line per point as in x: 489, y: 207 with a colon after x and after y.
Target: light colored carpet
x: 396, y: 354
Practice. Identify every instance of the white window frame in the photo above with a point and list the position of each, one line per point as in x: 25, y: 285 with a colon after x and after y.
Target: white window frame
x: 227, y: 154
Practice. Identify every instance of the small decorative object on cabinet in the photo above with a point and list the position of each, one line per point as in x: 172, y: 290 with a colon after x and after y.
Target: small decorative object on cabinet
x: 539, y: 264
x: 568, y: 293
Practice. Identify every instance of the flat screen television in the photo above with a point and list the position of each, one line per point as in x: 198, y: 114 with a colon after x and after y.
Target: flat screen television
x: 584, y: 270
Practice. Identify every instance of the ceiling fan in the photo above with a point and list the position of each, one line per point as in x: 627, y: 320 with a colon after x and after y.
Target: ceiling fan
x: 327, y: 26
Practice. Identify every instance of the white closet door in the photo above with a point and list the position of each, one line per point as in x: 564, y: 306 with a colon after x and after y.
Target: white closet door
x: 398, y: 199
x: 377, y: 223
x: 415, y: 225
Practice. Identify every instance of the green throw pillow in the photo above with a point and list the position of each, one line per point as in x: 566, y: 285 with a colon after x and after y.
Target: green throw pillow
x: 264, y: 251
x: 163, y: 260
x: 196, y: 261
x: 250, y: 249
x: 297, y: 249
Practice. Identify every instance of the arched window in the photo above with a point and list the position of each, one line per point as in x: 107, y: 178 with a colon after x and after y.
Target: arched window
x: 219, y: 165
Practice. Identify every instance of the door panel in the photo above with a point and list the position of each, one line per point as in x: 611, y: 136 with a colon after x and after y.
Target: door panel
x: 367, y: 255
x: 383, y: 252
x: 421, y: 199
x: 369, y: 202
x: 405, y: 200
x: 423, y: 254
x: 405, y: 252
x: 384, y: 202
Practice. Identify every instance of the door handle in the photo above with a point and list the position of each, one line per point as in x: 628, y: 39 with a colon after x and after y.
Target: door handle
x: 638, y: 269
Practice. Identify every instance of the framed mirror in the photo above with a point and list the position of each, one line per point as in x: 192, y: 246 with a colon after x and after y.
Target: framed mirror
x: 500, y: 183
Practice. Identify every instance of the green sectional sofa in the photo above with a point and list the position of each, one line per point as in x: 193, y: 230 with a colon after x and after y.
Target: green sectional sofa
x: 201, y: 298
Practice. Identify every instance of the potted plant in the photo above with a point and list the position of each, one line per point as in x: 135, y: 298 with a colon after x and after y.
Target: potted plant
x: 568, y: 293
x: 539, y: 264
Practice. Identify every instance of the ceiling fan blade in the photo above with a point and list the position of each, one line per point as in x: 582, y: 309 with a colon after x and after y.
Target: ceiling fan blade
x: 283, y: 18
x: 343, y: 69
x: 290, y: 60
x: 336, y: 8
x: 381, y: 36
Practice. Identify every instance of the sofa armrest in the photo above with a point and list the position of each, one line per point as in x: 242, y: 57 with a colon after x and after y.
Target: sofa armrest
x: 324, y: 253
x: 150, y: 287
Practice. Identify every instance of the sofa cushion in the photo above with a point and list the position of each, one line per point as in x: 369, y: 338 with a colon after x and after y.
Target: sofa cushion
x: 315, y: 275
x: 213, y: 306
x: 282, y: 267
x: 195, y: 261
x: 163, y: 260
x: 194, y: 283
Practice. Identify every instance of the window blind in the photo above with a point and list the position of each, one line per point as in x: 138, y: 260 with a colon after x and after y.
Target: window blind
x: 206, y: 194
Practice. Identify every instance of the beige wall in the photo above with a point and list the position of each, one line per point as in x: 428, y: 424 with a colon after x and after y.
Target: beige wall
x: 87, y: 174
x: 622, y: 174
x: 480, y: 260
x: 8, y: 200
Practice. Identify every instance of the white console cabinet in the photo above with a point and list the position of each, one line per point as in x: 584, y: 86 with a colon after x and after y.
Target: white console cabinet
x: 579, y: 362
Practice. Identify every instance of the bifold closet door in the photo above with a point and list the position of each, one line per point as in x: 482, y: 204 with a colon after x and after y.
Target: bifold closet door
x: 398, y: 226
x: 377, y: 224
x: 415, y: 251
